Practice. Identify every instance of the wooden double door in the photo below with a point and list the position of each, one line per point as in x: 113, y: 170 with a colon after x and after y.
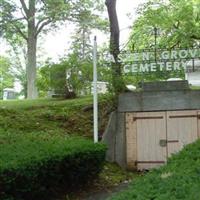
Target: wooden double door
x: 153, y: 136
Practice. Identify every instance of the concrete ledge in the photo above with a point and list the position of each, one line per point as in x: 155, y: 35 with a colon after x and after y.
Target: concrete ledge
x: 159, y: 101
x: 165, y: 86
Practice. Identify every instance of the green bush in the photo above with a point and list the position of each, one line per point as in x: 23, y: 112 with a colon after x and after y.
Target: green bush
x: 31, y: 164
x: 179, y: 179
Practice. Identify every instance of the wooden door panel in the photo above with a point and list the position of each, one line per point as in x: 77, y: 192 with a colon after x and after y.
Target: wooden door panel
x: 151, y: 128
x: 131, y: 141
x: 181, y: 129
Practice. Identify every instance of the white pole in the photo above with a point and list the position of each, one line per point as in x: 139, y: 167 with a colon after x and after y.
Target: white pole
x: 95, y: 95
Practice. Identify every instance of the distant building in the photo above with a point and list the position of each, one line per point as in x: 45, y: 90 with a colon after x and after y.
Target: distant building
x: 193, y: 72
x: 9, y: 93
x: 101, y: 87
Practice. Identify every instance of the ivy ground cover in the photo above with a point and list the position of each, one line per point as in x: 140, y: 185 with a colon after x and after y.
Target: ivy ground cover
x: 178, y: 180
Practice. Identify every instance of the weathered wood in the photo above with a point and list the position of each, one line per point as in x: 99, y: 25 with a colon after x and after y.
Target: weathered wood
x: 151, y: 137
x: 131, y: 141
x: 149, y: 133
x: 181, y: 127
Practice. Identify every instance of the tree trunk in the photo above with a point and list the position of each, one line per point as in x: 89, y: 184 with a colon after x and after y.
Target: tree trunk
x: 31, y: 69
x: 117, y: 79
x: 114, y: 28
x: 32, y: 45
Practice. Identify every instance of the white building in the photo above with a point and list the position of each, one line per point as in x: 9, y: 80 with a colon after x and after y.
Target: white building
x: 9, y: 93
x: 101, y: 87
x: 193, y: 72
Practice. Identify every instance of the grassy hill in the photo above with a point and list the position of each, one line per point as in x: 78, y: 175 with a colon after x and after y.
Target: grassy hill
x: 73, y: 117
x: 29, y: 129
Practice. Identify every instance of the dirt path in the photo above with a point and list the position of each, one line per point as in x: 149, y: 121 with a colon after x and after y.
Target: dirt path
x: 103, y: 195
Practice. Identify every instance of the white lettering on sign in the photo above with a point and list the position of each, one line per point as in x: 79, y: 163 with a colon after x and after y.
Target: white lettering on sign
x: 162, y: 66
x: 127, y: 69
x: 177, y: 66
x: 194, y: 52
x: 165, y: 60
x: 183, y: 54
x: 134, y: 68
x: 161, y: 55
x: 169, y: 66
x: 165, y: 55
x: 136, y: 56
x: 174, y: 55
x: 146, y: 56
x: 144, y: 67
x: 153, y: 67
x: 184, y: 65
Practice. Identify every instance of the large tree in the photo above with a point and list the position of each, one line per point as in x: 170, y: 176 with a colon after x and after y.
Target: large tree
x: 176, y: 24
x: 27, y: 19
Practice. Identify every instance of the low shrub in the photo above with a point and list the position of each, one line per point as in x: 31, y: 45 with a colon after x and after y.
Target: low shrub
x: 31, y: 164
x: 178, y: 180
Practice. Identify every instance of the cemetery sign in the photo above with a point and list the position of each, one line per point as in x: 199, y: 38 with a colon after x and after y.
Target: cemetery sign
x: 161, y: 60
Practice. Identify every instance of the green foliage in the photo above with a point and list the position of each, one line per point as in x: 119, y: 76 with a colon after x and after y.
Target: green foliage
x: 175, y: 25
x: 179, y: 179
x: 46, y: 12
x: 71, y: 74
x: 31, y: 164
x: 6, y: 76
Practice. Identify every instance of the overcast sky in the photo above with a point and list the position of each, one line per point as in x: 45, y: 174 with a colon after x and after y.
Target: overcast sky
x: 55, y: 44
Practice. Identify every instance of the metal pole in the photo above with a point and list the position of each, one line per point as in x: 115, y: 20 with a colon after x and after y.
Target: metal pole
x: 95, y: 95
x: 155, y: 45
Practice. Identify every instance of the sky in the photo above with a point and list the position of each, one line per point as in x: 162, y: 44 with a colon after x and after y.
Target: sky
x: 55, y: 44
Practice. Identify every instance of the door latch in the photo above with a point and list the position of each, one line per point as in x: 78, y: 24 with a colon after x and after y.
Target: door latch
x: 163, y: 143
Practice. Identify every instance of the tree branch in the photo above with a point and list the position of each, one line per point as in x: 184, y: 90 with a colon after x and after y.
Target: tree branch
x: 174, y: 45
x: 39, y: 29
x: 195, y: 37
x: 39, y: 22
x: 24, y: 7
x: 20, y: 31
x: 25, y: 17
x: 18, y: 19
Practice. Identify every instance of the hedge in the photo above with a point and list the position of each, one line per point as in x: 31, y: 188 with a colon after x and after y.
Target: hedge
x: 31, y: 165
x: 178, y: 180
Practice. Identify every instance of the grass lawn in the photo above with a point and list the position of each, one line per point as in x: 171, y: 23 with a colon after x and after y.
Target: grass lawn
x: 195, y: 87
